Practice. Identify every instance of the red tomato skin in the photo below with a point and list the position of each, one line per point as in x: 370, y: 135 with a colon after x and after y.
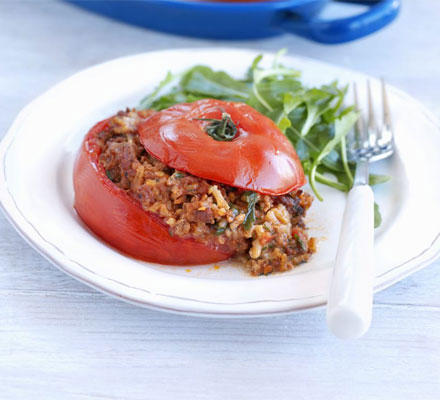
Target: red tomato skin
x: 120, y: 220
x: 260, y: 158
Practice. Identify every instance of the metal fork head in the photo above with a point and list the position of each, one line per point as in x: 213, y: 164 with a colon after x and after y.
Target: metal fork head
x: 368, y: 141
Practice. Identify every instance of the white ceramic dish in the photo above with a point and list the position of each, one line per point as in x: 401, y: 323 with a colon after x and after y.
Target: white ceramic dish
x: 36, y: 193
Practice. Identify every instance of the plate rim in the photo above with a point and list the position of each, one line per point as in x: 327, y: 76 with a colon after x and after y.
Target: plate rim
x: 319, y: 302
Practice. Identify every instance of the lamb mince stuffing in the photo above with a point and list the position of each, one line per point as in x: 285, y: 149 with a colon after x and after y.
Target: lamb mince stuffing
x: 267, y: 233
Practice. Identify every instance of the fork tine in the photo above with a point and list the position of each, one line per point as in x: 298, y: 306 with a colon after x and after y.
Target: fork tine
x: 386, y: 108
x: 372, y: 129
x: 359, y: 129
x: 369, y: 142
x: 386, y: 134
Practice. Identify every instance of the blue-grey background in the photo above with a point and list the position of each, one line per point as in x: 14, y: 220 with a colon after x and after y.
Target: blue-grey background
x: 62, y: 340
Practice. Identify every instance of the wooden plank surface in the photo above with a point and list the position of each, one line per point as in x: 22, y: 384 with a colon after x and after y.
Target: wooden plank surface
x: 60, y: 339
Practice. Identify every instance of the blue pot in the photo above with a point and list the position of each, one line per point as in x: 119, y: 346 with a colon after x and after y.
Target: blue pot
x: 214, y: 20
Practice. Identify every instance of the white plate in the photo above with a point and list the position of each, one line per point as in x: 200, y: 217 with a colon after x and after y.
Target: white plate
x: 36, y: 194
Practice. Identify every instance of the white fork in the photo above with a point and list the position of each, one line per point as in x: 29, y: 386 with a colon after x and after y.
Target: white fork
x: 350, y: 300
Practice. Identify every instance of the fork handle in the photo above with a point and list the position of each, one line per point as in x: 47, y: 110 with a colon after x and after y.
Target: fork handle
x: 350, y: 301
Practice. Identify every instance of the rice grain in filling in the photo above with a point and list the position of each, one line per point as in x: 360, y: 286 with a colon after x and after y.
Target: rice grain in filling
x: 267, y: 233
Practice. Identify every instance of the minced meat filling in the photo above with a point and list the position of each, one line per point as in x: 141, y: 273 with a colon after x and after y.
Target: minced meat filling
x: 267, y: 232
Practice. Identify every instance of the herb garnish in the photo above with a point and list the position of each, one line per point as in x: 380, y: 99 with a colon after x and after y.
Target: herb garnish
x: 235, y: 210
x: 221, y: 227
x: 251, y: 198
x: 109, y: 174
x: 223, y: 130
x: 300, y: 242
x: 220, y: 230
x: 266, y: 227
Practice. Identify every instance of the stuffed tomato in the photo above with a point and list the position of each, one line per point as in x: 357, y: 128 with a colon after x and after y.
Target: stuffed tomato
x: 197, y: 183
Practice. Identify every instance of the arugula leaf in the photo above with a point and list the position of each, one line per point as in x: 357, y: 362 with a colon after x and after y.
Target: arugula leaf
x: 269, y: 95
x: 147, y: 101
x: 375, y: 179
x: 204, y: 81
x: 345, y: 162
x: 317, y: 103
x: 290, y: 102
x: 254, y: 65
x: 263, y: 77
x: 171, y: 99
x: 343, y: 125
x: 338, y: 176
x: 284, y: 123
x: 377, y: 216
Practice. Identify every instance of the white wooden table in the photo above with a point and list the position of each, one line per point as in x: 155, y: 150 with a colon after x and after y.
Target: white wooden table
x: 62, y: 340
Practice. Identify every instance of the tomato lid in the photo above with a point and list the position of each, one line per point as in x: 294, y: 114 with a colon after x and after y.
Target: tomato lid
x: 226, y: 142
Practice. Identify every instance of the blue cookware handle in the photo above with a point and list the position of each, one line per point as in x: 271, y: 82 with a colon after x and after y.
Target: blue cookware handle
x: 341, y: 30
